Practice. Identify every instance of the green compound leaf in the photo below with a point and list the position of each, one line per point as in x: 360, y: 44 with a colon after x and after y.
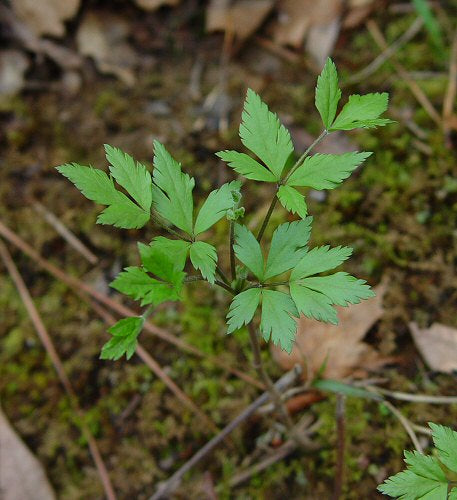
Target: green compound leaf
x: 288, y: 246
x: 204, y: 258
x: 242, y: 309
x: 277, y: 320
x: 314, y: 305
x: 422, y: 479
x: 247, y: 166
x: 174, y: 251
x: 248, y: 251
x: 133, y: 177
x: 328, y: 93
x: 445, y: 440
x: 453, y: 494
x: 263, y: 134
x: 292, y: 200
x: 319, y: 260
x: 172, y: 190
x: 341, y: 288
x: 216, y: 206
x: 137, y: 284
x: 362, y: 111
x: 124, y: 341
x: 326, y: 171
x: 97, y: 186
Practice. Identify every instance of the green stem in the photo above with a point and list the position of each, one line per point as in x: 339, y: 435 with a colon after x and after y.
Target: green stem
x: 225, y: 287
x: 267, y: 217
x: 232, y: 252
x: 222, y: 276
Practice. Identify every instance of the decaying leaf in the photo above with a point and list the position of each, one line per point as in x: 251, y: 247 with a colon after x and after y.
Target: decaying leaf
x: 13, y: 65
x: 103, y: 36
x: 21, y: 475
x: 437, y: 345
x: 45, y: 17
x: 154, y: 4
x: 242, y: 18
x: 340, y: 347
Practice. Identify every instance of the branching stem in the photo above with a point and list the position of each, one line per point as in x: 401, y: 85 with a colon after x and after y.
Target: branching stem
x: 232, y: 252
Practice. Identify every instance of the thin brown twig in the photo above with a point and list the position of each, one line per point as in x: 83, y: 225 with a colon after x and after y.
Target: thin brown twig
x: 417, y: 398
x: 66, y: 234
x: 165, y: 489
x: 76, y: 284
x: 418, y: 93
x: 451, y: 91
x: 341, y: 440
x: 58, y: 366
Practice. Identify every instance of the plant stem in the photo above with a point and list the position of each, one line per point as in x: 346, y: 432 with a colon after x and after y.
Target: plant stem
x: 267, y: 217
x: 341, y: 436
x: 222, y: 276
x: 225, y: 286
x: 232, y: 252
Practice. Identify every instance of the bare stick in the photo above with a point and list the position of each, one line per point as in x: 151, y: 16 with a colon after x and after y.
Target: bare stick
x: 406, y: 424
x: 449, y: 99
x: 341, y: 436
x: 418, y: 93
x: 417, y: 398
x: 166, y: 488
x: 58, y: 366
x: 78, y: 285
x: 66, y: 234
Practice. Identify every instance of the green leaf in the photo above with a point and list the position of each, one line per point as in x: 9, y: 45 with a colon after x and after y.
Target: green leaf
x: 348, y: 390
x: 341, y: 288
x: 263, y: 134
x: 277, y: 320
x: 137, y: 284
x: 424, y: 466
x: 409, y: 486
x: 216, y: 206
x: 133, y: 177
x: 174, y: 250
x: 204, y: 258
x: 445, y: 440
x: 172, y: 190
x: 247, y: 166
x: 362, y: 111
x: 292, y: 200
x: 124, y: 341
x: 325, y: 171
x: 319, y: 260
x: 314, y: 305
x: 248, y: 251
x: 242, y: 309
x: 97, y: 186
x: 288, y: 246
x: 327, y: 93
x: 432, y: 25
x: 453, y: 494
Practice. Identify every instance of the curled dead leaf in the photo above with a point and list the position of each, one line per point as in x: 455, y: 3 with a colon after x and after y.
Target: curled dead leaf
x: 437, y: 345
x: 341, y: 346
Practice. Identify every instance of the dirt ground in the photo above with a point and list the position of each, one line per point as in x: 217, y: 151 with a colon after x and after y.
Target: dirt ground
x: 398, y: 212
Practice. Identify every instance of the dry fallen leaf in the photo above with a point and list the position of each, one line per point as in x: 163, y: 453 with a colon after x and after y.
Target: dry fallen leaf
x: 437, y: 345
x: 155, y: 4
x: 241, y: 19
x: 45, y: 17
x: 103, y: 36
x: 22, y: 477
x: 340, y: 346
x: 13, y: 65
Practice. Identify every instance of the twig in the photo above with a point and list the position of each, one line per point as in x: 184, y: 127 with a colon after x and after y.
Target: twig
x: 66, y: 234
x: 417, y: 398
x: 387, y: 53
x: 406, y: 424
x: 341, y: 437
x: 58, y: 366
x: 418, y: 93
x: 166, y: 488
x: 78, y: 285
x: 451, y: 91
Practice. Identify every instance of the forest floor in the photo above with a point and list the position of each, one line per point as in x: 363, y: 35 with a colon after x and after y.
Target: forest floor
x: 398, y: 212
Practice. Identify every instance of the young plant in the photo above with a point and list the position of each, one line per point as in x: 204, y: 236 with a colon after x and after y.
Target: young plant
x: 428, y: 477
x: 284, y: 281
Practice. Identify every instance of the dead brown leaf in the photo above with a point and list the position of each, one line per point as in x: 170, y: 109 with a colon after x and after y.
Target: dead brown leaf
x: 437, y: 345
x: 45, y: 17
x: 240, y: 19
x: 103, y: 36
x: 340, y: 346
x: 13, y: 65
x: 155, y: 4
x: 22, y: 477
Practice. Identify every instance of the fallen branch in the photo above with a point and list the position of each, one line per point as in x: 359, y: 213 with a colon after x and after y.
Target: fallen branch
x: 172, y: 483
